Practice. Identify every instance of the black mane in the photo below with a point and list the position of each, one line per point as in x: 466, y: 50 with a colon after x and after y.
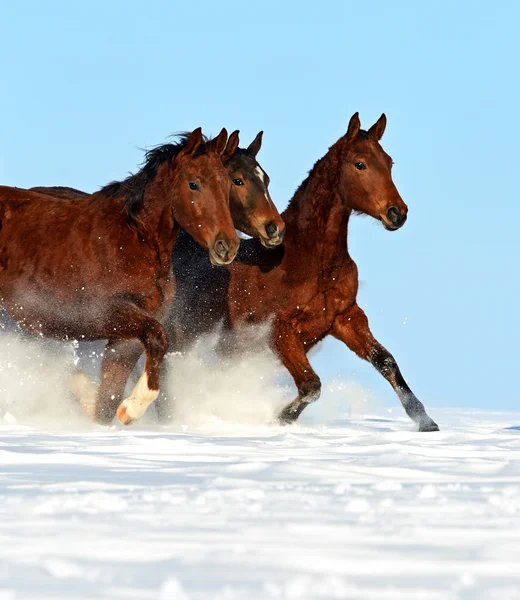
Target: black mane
x: 133, y: 187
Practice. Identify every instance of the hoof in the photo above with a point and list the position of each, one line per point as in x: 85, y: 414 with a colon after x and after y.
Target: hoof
x: 287, y: 417
x: 123, y: 416
x: 428, y: 426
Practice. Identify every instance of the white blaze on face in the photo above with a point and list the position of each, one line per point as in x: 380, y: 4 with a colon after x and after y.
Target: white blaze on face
x: 260, y: 174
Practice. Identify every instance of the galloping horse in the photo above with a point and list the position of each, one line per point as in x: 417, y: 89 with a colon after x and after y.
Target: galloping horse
x: 253, y: 213
x: 100, y: 267
x: 308, y: 286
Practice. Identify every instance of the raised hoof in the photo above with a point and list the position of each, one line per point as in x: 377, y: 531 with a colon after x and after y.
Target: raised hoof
x: 123, y: 416
x: 428, y: 426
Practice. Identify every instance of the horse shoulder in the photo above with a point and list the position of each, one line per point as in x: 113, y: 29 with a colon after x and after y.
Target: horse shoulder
x: 344, y: 284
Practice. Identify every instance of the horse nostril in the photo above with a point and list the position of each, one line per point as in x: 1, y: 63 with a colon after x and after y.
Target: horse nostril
x: 221, y: 248
x: 393, y: 214
x: 271, y: 230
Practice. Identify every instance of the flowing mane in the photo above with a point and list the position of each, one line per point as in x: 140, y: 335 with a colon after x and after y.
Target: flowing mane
x: 134, y: 186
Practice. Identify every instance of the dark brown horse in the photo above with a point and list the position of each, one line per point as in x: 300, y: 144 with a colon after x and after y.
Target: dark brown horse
x: 100, y: 267
x: 309, y: 286
x: 253, y: 212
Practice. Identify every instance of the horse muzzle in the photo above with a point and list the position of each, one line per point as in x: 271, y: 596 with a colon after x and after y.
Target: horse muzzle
x: 274, y: 235
x: 394, y: 218
x: 223, y: 251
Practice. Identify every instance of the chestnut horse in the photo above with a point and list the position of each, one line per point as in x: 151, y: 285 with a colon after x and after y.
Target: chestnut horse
x: 308, y: 286
x: 253, y: 213
x: 100, y: 267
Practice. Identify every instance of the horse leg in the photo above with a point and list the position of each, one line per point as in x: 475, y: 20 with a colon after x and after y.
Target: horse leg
x: 85, y: 392
x: 147, y: 388
x: 291, y: 351
x: 132, y: 322
x: 119, y: 360
x: 162, y: 403
x: 351, y: 327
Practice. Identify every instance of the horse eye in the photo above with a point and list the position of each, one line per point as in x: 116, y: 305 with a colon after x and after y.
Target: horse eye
x: 360, y: 166
x: 238, y: 182
x: 193, y: 186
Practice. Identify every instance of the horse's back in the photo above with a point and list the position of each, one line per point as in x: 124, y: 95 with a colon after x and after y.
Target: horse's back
x: 59, y: 191
x: 33, y: 198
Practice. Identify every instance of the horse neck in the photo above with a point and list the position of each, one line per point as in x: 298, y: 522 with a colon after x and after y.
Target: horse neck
x: 317, y: 217
x: 156, y: 222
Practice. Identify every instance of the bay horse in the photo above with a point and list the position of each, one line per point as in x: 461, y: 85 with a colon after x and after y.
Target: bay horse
x: 253, y: 213
x: 100, y: 267
x: 308, y: 286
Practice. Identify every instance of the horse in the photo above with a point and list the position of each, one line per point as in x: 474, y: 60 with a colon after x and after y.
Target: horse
x: 253, y: 213
x: 99, y: 267
x: 308, y: 286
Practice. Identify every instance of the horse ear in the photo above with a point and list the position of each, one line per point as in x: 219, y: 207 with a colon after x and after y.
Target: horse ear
x: 256, y: 144
x: 218, y: 145
x: 378, y: 128
x: 232, y: 145
x: 353, y: 127
x: 193, y: 142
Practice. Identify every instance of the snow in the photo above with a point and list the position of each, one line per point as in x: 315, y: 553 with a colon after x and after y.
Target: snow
x: 350, y: 503
x: 354, y: 508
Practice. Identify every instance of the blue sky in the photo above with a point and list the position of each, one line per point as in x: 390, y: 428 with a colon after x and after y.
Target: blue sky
x: 83, y: 85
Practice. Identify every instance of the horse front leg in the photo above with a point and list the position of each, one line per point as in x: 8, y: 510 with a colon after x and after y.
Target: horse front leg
x: 291, y: 351
x: 101, y: 403
x: 146, y: 391
x: 131, y: 323
x: 351, y: 327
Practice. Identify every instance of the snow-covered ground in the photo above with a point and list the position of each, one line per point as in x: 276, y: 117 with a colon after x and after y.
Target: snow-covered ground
x: 363, y: 508
x: 350, y: 503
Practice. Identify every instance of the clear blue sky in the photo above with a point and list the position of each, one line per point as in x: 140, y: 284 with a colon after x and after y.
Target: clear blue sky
x: 84, y: 84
